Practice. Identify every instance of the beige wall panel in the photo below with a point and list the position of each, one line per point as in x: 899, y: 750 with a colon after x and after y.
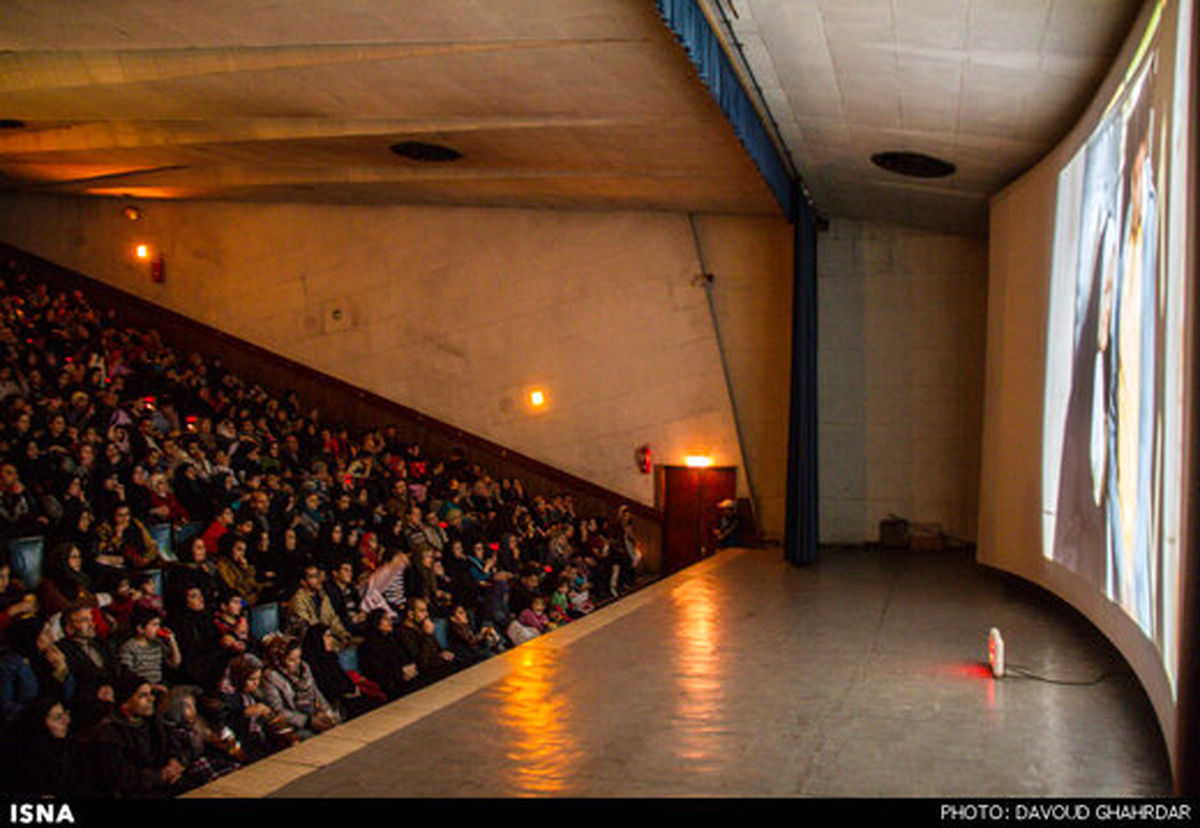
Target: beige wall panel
x: 901, y: 355
x: 750, y: 259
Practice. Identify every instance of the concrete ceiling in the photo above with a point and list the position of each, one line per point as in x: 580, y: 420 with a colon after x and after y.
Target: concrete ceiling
x: 565, y: 103
x: 582, y: 103
x: 989, y: 85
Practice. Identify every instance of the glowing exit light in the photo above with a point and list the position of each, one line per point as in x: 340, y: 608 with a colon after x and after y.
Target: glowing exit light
x: 698, y: 461
x: 142, y: 251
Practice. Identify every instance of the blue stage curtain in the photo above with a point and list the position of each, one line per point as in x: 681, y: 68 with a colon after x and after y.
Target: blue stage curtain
x: 687, y: 21
x: 691, y: 27
x: 800, y: 536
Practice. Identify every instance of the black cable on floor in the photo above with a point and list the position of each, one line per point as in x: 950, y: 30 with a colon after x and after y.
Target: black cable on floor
x: 1021, y: 672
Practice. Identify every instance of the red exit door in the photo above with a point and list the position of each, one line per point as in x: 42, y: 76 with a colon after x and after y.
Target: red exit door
x: 690, y: 514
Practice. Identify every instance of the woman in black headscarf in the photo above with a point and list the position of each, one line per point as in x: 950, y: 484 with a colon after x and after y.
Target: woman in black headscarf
x: 50, y: 763
x: 191, y: 619
x: 66, y: 583
x: 332, y: 546
x: 73, y: 498
x: 319, y: 652
x: 382, y: 658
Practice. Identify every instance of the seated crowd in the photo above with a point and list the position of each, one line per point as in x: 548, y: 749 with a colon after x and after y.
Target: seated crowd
x: 217, y: 574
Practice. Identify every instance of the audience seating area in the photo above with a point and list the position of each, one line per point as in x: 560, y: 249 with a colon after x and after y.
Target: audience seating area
x: 197, y: 571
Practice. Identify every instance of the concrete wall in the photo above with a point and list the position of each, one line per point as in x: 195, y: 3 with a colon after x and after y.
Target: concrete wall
x: 751, y: 263
x: 461, y: 312
x: 902, y: 321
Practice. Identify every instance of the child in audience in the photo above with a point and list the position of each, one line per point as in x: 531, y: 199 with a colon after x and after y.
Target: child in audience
x: 559, y: 606
x: 150, y: 649
x: 244, y: 712
x: 580, y: 595
x: 534, y: 616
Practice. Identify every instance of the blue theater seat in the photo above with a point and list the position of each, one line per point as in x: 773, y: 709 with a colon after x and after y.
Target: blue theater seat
x: 159, y: 584
x: 264, y: 620
x: 440, y: 626
x: 184, y: 532
x: 348, y: 658
x: 26, y: 555
x: 161, y: 532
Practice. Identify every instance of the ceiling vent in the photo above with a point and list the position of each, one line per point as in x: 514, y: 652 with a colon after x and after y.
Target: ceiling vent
x: 913, y: 164
x: 420, y: 151
x: 11, y: 123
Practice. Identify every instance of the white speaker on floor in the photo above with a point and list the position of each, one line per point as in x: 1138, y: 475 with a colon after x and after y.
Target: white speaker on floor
x: 996, y: 652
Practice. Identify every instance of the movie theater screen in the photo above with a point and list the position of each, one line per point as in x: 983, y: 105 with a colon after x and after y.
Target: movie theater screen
x: 1088, y: 358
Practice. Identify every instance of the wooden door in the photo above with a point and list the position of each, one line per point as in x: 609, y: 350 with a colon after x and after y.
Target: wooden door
x: 689, y: 502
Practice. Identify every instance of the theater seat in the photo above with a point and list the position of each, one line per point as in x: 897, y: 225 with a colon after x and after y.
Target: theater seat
x: 161, y: 532
x: 184, y: 532
x: 26, y: 555
x: 159, y: 580
x: 348, y: 658
x: 264, y: 620
x: 440, y: 626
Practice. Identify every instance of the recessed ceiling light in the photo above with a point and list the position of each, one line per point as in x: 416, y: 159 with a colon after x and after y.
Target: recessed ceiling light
x: 913, y: 164
x: 421, y: 151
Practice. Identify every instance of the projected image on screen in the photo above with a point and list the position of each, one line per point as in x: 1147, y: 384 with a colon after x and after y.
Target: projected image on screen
x: 1112, y: 430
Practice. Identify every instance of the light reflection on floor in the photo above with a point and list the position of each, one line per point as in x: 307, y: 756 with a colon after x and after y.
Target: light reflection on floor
x: 542, y: 751
x: 698, y: 674
x: 972, y: 673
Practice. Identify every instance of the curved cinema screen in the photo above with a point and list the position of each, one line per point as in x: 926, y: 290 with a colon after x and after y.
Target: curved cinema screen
x: 1113, y: 412
x: 1089, y: 301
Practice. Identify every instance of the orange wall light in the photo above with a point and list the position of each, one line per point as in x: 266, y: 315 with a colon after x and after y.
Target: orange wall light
x: 698, y: 461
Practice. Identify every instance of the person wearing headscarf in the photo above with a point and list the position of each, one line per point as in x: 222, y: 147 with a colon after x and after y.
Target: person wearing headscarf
x: 187, y: 738
x: 239, y: 575
x: 198, y: 637
x: 164, y: 506
x: 31, y: 665
x: 290, y: 689
x: 66, y: 583
x: 50, y: 762
x: 468, y: 644
x: 15, y: 601
x: 196, y: 567
x: 74, y: 501
x: 383, y: 660
x: 319, y: 652
x: 127, y: 538
x: 242, y: 709
x: 19, y: 668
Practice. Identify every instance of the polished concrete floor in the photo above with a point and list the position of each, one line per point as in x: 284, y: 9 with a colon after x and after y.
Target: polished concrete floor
x: 860, y: 676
